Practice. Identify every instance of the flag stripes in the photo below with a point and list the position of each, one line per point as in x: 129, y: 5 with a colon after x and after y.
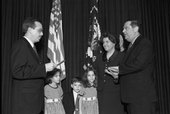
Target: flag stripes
x: 55, y: 42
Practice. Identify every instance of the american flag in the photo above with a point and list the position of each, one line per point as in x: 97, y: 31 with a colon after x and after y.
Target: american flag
x: 55, y: 42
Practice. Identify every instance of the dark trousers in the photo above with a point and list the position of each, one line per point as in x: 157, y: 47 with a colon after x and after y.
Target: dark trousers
x: 143, y: 107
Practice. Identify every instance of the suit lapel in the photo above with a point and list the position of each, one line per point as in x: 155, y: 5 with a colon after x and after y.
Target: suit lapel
x: 32, y: 50
x: 130, y: 51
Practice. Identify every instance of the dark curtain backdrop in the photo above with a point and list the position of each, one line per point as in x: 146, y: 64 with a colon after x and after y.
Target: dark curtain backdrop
x: 153, y: 14
x: 75, y: 15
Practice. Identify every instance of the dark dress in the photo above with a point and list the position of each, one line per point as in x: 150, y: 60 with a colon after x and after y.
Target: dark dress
x: 108, y: 88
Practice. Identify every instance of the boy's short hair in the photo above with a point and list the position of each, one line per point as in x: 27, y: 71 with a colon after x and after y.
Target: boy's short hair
x: 76, y: 79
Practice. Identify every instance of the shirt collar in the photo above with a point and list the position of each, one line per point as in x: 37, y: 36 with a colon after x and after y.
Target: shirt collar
x: 32, y: 44
x: 75, y: 94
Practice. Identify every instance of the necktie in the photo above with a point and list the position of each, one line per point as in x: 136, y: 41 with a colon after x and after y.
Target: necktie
x: 34, y: 48
x: 130, y: 45
x: 77, y: 105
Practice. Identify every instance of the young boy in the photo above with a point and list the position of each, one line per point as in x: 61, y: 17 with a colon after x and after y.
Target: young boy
x: 69, y: 99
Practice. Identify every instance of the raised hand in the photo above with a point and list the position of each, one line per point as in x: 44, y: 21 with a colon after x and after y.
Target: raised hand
x: 121, y: 43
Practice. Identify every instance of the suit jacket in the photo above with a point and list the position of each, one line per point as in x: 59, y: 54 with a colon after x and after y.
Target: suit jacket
x: 68, y: 102
x: 28, y: 79
x: 136, y: 71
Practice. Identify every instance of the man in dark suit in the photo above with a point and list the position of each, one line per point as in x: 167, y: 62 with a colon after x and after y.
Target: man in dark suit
x: 28, y: 71
x: 136, y: 71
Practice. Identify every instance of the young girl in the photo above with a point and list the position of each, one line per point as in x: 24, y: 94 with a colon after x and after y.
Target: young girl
x: 89, y: 101
x: 53, y: 93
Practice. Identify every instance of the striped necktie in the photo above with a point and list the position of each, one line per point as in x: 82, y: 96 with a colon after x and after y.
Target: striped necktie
x: 34, y: 48
x: 130, y: 45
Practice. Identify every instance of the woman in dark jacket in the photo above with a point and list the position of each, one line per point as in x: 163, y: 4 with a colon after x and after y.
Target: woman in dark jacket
x: 108, y: 86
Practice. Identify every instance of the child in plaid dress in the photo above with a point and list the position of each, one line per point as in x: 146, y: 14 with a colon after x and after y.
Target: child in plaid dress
x: 89, y: 101
x: 54, y: 93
